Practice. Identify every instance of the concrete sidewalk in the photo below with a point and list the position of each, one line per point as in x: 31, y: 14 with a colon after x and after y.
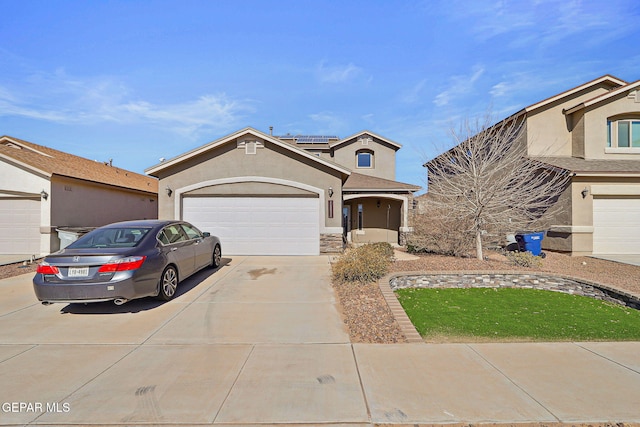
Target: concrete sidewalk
x: 260, y: 342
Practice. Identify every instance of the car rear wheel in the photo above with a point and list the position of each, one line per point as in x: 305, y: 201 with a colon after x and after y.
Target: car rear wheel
x: 168, y: 283
x: 217, y: 257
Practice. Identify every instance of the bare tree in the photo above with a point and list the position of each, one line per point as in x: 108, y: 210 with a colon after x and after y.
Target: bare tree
x: 486, y: 186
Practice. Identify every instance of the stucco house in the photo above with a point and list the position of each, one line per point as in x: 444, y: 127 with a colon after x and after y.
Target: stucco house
x: 288, y: 195
x: 42, y: 189
x: 591, y: 131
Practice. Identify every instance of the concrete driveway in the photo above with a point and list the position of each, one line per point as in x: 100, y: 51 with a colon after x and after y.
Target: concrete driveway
x: 633, y: 259
x: 260, y: 341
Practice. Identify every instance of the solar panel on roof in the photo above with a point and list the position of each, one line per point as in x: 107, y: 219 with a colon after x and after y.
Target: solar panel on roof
x: 314, y: 139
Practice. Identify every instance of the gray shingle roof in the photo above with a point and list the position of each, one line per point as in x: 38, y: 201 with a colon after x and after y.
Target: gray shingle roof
x: 357, y: 181
x: 578, y: 165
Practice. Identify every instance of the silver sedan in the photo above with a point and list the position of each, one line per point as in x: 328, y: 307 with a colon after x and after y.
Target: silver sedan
x: 126, y: 260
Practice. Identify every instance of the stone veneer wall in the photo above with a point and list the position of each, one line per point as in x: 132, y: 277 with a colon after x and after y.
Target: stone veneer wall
x: 331, y: 243
x: 512, y: 280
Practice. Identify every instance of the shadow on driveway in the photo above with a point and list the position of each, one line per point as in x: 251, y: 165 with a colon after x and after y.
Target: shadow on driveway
x: 143, y: 304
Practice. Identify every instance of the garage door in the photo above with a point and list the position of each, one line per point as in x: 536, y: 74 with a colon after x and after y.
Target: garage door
x: 616, y: 225
x: 258, y: 225
x: 20, y: 226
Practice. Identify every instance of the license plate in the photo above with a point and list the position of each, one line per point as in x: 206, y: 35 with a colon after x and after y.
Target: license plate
x: 78, y: 271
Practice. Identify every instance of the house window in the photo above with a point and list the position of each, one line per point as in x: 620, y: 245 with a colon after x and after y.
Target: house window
x: 360, y: 217
x: 623, y: 134
x: 364, y: 159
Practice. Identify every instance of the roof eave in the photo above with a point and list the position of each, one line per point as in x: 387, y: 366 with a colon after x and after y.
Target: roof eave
x: 602, y: 97
x: 224, y: 140
x: 344, y: 140
x: 606, y: 174
x: 26, y: 166
x: 605, y: 78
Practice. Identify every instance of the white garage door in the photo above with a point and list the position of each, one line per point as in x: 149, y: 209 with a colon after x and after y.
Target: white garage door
x: 258, y: 225
x: 616, y: 225
x: 20, y: 226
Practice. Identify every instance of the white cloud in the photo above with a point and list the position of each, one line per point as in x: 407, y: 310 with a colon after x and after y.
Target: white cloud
x: 60, y: 98
x: 414, y: 94
x: 329, y: 122
x: 547, y: 22
x: 338, y: 74
x: 499, y: 89
x: 459, y: 86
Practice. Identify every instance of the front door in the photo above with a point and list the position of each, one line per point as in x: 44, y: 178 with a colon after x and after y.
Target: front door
x: 346, y: 221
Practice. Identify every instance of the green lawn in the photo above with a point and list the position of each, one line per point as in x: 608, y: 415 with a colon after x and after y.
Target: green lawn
x: 516, y: 314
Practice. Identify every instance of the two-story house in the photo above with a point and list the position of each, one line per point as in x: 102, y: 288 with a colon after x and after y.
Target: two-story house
x: 592, y: 132
x: 288, y: 195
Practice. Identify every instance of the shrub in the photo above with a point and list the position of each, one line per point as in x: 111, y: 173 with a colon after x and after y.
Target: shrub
x: 524, y: 259
x: 439, y: 233
x: 363, y: 264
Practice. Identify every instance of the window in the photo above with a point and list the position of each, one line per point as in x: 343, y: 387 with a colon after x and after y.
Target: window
x: 623, y: 134
x: 111, y: 238
x: 364, y: 159
x: 172, y: 234
x: 360, y: 217
x: 191, y: 231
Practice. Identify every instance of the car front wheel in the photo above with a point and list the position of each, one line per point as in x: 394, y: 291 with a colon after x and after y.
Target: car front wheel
x: 217, y: 257
x: 168, y: 283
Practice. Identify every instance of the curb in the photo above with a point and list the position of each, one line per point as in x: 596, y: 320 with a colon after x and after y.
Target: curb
x: 409, y: 331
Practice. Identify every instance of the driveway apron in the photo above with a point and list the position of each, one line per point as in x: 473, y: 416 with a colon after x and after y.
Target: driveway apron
x: 258, y: 340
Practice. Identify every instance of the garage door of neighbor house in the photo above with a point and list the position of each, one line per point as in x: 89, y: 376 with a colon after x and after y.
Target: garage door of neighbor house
x: 616, y: 225
x: 20, y: 226
x: 258, y: 225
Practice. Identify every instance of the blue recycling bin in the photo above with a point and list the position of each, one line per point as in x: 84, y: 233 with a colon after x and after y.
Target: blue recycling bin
x: 531, y: 242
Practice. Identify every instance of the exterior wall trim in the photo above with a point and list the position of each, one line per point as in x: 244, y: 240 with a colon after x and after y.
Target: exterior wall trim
x: 238, y: 179
x: 615, y: 190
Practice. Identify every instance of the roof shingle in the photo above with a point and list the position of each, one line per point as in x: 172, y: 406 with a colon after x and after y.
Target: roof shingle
x: 357, y: 182
x: 54, y: 162
x: 578, y: 165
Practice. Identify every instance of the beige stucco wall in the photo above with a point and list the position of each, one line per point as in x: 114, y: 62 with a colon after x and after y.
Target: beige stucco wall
x: 595, y: 128
x: 548, y: 129
x: 77, y: 203
x: 270, y: 162
x: 384, y: 158
x: 577, y: 134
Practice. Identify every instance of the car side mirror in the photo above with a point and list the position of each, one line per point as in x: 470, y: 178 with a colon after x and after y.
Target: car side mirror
x: 206, y: 234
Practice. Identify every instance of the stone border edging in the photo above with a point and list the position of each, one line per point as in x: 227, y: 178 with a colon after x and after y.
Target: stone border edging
x: 412, y: 334
x: 407, y: 328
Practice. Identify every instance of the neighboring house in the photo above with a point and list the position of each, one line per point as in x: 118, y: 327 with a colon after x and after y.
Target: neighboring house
x: 288, y: 195
x: 42, y: 189
x: 593, y: 132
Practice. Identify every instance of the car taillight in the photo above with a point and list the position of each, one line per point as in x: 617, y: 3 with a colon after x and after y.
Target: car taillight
x: 123, y: 264
x: 45, y: 268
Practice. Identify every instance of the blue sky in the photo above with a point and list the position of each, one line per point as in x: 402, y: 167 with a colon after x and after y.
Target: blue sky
x: 135, y: 81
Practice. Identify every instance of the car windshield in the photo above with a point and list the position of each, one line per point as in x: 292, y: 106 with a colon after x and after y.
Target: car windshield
x: 126, y: 237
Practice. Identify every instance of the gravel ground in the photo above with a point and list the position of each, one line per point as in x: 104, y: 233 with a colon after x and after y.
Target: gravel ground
x: 11, y: 270
x: 369, y: 319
